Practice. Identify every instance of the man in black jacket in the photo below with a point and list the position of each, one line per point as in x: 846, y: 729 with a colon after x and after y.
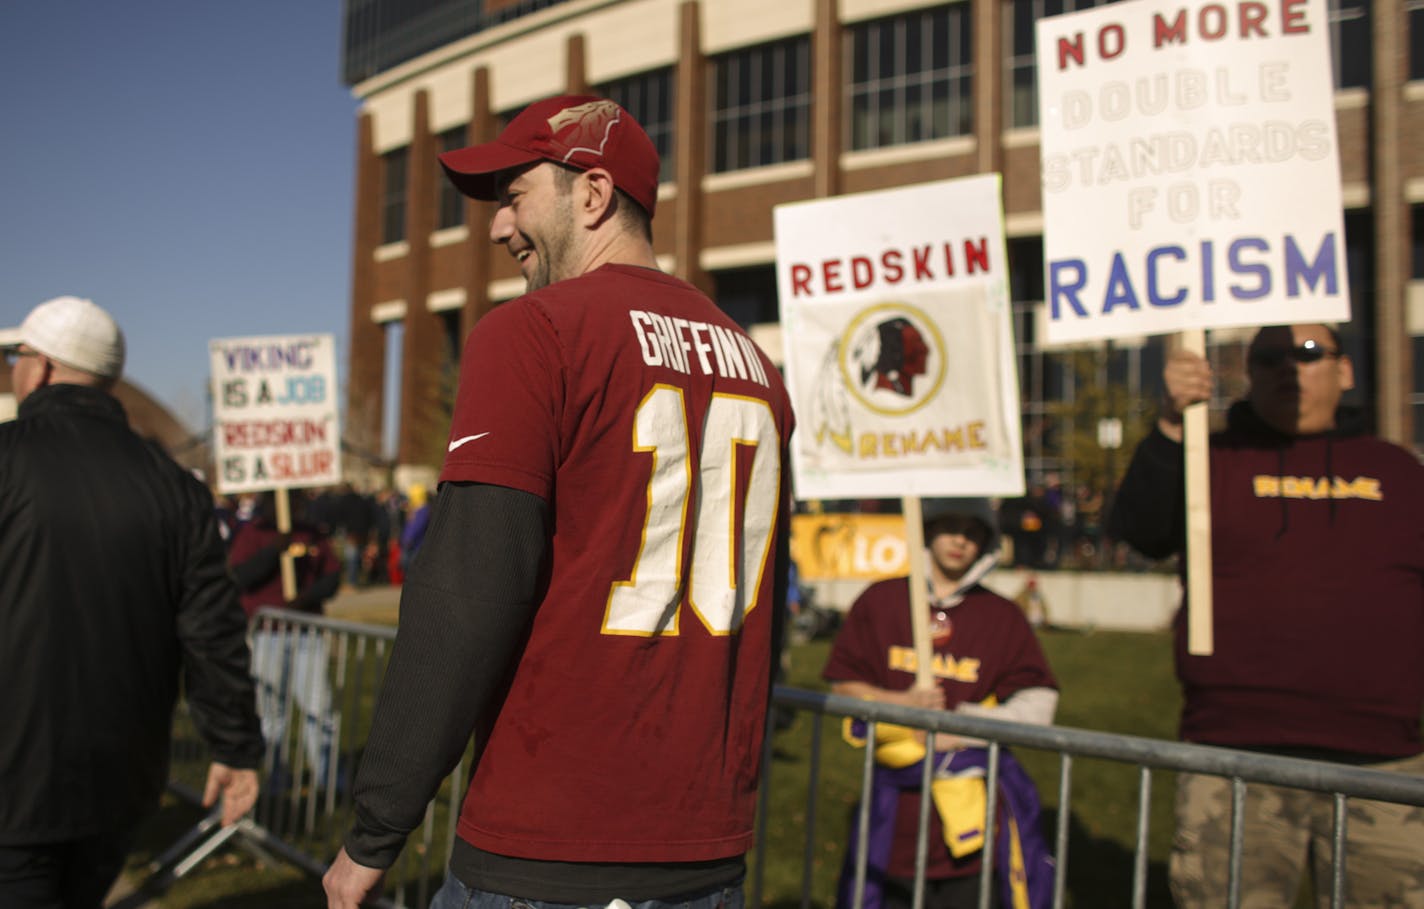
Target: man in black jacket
x: 112, y: 582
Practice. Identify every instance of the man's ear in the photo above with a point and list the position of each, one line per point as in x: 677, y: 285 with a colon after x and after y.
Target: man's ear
x: 1346, y: 368
x: 596, y: 203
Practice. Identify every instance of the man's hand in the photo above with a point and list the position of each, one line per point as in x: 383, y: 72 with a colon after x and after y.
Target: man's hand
x: 238, y: 789
x: 1186, y: 380
x: 928, y: 698
x: 925, y: 698
x: 348, y: 883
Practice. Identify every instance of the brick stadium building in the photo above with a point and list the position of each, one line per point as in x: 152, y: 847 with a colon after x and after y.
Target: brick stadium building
x: 755, y: 103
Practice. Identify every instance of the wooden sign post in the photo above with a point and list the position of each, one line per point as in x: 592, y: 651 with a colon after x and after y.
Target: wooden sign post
x: 1195, y: 438
x: 919, y: 593
x: 289, y: 565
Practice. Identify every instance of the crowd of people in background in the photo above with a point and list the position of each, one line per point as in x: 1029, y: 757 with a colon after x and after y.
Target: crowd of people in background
x: 373, y: 533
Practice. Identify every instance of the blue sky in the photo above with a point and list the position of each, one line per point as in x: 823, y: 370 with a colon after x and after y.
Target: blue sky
x: 187, y: 164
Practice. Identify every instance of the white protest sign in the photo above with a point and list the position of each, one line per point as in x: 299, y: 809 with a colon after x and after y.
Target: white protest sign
x: 275, y: 412
x: 1191, y: 173
x: 899, y: 342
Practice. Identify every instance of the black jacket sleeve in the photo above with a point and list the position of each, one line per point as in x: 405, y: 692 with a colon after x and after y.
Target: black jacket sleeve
x: 1149, y: 510
x: 263, y: 564
x: 212, y: 633
x: 465, y: 610
x: 317, y: 593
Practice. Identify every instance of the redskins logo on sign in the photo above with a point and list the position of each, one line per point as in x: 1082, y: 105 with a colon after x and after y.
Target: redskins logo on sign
x: 892, y: 358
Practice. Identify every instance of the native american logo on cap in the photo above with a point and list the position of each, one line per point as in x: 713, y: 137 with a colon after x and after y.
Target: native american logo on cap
x: 584, y: 129
x: 890, y: 360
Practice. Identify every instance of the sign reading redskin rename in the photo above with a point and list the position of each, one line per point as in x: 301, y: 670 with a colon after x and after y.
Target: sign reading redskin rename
x: 275, y: 422
x: 899, y: 343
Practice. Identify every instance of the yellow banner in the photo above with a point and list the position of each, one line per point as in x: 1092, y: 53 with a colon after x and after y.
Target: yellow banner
x: 864, y: 547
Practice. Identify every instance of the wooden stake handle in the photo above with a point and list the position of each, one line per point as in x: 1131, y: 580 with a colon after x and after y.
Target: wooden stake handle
x: 919, y: 593
x: 289, y: 566
x: 1195, y: 436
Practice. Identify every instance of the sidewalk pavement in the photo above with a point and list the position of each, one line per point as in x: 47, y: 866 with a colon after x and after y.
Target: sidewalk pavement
x: 380, y: 603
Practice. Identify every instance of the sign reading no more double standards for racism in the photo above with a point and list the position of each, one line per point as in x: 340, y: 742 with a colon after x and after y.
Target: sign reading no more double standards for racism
x: 899, y: 342
x: 1191, y: 173
x: 275, y: 412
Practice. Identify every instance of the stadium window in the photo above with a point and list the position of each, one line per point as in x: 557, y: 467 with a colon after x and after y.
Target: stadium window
x: 1351, y: 46
x: 449, y: 204
x: 1021, y: 69
x: 649, y: 98
x: 748, y: 295
x: 761, y: 105
x: 911, y: 77
x: 1414, y: 9
x: 393, y: 167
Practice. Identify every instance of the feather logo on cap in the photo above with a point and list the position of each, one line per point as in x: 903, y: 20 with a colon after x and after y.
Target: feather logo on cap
x: 585, y: 128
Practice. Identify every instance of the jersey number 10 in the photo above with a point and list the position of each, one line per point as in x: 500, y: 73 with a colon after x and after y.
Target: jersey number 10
x: 727, y: 565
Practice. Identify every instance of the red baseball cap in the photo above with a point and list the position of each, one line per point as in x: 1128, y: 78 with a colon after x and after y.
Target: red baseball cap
x: 580, y: 131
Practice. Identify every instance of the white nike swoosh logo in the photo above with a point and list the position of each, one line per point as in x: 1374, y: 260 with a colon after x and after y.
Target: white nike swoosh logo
x: 461, y: 441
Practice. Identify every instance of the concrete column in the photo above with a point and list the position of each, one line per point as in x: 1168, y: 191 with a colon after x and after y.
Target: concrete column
x: 691, y: 147
x: 988, y: 50
x: 576, y: 70
x: 424, y: 415
x: 828, y: 94
x: 478, y: 214
x: 366, y: 358
x: 1393, y: 354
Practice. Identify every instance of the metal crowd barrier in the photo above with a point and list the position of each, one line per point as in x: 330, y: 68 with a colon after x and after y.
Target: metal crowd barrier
x: 316, y: 723
x: 1147, y: 755
x: 317, y: 680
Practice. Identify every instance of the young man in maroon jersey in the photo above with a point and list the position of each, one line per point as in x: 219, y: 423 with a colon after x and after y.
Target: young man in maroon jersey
x: 595, y: 595
x: 987, y: 663
x: 1318, y: 590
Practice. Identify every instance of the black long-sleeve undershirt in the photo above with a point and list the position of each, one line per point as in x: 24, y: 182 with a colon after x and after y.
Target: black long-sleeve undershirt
x: 466, y: 606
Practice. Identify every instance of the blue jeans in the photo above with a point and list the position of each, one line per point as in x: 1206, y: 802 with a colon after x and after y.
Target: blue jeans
x: 455, y: 895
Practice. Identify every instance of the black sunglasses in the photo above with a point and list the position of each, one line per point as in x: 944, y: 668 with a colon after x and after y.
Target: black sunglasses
x: 1309, y: 352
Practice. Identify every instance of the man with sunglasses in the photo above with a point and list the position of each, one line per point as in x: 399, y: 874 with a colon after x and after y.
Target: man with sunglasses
x: 112, y: 582
x: 1318, y: 601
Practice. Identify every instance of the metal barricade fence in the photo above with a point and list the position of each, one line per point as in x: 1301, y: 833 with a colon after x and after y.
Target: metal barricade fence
x: 317, y: 679
x: 317, y: 683
x: 1146, y: 755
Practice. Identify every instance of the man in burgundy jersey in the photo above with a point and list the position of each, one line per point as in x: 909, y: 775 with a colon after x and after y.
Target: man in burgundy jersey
x: 595, y: 595
x: 1317, y: 581
x: 987, y: 662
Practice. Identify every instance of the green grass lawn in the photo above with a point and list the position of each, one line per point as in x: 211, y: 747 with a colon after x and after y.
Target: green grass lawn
x: 1117, y: 682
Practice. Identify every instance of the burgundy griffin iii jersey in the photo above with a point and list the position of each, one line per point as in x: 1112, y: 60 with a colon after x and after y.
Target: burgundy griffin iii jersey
x: 655, y: 429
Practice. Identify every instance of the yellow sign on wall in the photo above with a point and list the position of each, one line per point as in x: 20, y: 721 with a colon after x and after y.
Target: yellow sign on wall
x: 864, y: 547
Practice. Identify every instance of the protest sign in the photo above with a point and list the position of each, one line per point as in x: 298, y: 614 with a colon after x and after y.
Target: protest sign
x: 1191, y: 173
x: 899, y: 354
x: 1191, y: 179
x: 899, y: 342
x: 275, y: 421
